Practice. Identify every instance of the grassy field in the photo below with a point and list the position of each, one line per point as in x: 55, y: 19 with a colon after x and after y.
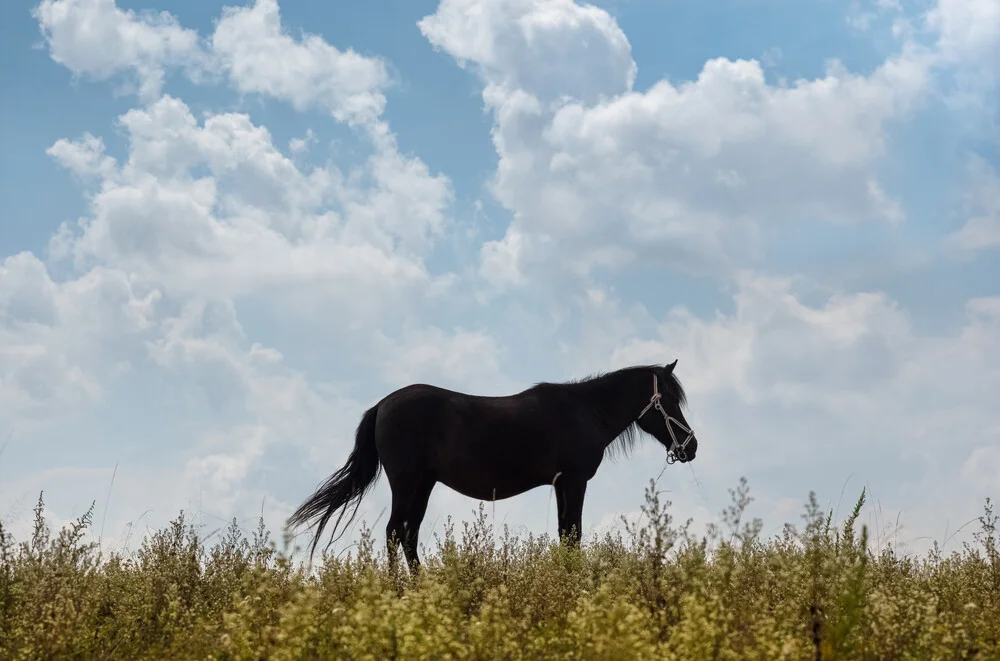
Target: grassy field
x: 655, y: 592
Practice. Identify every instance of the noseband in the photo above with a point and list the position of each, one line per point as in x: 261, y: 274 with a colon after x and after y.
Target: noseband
x: 676, y: 450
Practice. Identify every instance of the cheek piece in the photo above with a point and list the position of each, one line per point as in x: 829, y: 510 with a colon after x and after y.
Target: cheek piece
x: 676, y: 449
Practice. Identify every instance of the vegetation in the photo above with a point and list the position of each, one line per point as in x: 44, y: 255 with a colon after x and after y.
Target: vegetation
x: 655, y: 592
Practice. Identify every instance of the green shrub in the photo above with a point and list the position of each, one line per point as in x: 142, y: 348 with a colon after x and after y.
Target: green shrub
x: 656, y: 592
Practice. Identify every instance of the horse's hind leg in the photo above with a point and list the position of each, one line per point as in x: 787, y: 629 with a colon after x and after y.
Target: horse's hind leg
x: 414, y: 517
x: 409, y: 504
x: 394, y: 529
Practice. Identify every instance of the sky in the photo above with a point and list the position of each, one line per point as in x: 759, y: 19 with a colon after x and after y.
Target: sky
x: 228, y: 229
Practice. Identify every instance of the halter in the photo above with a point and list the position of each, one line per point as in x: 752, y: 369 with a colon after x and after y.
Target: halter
x: 676, y: 450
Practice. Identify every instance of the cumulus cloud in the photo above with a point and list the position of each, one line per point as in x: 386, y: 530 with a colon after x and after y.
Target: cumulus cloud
x: 254, y: 221
x: 780, y: 385
x: 301, y: 145
x: 967, y: 29
x: 58, y: 341
x: 261, y: 58
x: 97, y: 39
x: 239, y: 424
x: 84, y: 157
x: 528, y: 45
x: 686, y: 173
x: 981, y: 227
x: 967, y: 49
x: 461, y: 359
x: 201, y: 219
x: 203, y: 224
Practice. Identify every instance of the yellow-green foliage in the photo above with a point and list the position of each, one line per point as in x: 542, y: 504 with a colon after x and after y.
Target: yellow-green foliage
x: 656, y: 592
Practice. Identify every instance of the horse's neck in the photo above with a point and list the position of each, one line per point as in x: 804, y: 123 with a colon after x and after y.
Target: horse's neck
x: 618, y: 399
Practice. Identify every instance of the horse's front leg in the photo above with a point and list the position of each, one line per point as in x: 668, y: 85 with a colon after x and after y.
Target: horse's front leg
x: 570, y: 492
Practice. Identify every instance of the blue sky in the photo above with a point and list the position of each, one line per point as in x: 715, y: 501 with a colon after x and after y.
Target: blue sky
x: 308, y: 207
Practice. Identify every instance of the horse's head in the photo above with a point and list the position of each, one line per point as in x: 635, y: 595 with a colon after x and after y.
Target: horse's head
x: 662, y: 417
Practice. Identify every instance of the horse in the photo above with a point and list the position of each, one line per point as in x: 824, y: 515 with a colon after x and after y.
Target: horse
x: 492, y: 448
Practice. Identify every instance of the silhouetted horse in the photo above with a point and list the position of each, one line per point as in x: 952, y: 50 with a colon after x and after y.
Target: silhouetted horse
x: 492, y: 448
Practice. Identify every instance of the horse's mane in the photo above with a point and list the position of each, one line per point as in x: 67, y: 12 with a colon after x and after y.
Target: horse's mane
x: 624, y: 443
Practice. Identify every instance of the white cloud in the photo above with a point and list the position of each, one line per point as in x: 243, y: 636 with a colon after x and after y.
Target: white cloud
x: 967, y: 51
x: 86, y: 157
x: 462, y: 359
x: 235, y: 410
x: 199, y: 214
x: 261, y: 58
x: 863, y: 14
x: 301, y: 145
x: 254, y: 221
x: 58, y: 341
x: 97, y: 39
x: 981, y: 229
x: 847, y: 384
x: 684, y: 173
x: 968, y: 29
x: 204, y: 220
x: 982, y: 468
x: 211, y: 207
x: 548, y: 49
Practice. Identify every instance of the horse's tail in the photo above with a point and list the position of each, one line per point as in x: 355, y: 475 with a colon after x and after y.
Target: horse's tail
x: 348, y: 484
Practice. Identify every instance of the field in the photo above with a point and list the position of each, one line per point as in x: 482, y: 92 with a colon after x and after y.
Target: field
x: 818, y: 591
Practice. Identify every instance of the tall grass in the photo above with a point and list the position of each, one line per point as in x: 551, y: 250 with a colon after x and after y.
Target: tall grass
x: 655, y: 592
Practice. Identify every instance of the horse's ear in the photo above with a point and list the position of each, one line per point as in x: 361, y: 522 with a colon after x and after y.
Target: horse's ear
x: 670, y: 367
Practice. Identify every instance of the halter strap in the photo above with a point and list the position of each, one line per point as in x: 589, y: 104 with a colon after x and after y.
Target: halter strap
x: 676, y: 449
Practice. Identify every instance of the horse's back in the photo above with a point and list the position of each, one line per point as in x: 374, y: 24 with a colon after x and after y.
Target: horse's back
x: 420, y: 408
x: 423, y: 394
x: 432, y: 413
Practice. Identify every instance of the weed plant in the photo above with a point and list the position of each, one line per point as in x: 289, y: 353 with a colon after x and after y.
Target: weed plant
x: 655, y: 592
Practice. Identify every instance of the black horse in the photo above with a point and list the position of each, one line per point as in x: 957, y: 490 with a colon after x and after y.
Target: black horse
x: 492, y: 448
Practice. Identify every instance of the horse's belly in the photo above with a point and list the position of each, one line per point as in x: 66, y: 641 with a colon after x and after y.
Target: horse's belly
x: 492, y: 475
x: 491, y: 490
